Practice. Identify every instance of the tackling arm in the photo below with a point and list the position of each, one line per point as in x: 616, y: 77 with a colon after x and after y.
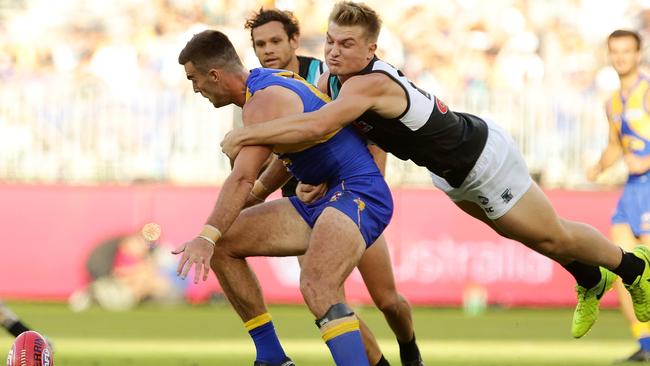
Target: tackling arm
x: 355, y: 98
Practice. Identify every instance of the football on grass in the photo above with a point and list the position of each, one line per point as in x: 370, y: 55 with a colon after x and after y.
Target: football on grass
x: 30, y: 349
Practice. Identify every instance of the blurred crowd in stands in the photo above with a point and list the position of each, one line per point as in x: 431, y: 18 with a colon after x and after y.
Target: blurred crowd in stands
x: 91, y: 91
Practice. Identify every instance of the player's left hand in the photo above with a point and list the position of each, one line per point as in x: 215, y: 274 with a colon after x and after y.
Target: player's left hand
x: 635, y: 164
x: 197, y: 252
x: 230, y: 144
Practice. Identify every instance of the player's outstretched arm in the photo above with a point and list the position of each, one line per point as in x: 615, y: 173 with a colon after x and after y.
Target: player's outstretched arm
x: 612, y: 152
x: 356, y: 97
x: 197, y: 252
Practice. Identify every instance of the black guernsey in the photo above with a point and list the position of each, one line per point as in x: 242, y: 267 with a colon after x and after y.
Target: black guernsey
x: 447, y: 143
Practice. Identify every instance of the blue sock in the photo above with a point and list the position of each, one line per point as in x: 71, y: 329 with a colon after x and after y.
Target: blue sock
x: 267, y: 344
x: 645, y: 343
x: 345, y: 344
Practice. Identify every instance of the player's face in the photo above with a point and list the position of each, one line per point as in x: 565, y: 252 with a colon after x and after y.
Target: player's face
x: 272, y: 45
x: 623, y: 54
x: 347, y: 50
x: 211, y: 85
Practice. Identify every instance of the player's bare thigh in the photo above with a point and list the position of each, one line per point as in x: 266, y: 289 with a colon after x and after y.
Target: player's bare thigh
x: 269, y: 229
x: 335, y: 248
x: 532, y: 219
x: 477, y: 212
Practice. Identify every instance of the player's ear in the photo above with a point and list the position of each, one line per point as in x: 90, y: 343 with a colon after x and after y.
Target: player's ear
x: 295, y: 41
x: 372, y: 50
x: 215, y: 74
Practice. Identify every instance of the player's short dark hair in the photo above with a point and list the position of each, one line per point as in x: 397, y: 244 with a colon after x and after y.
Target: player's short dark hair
x: 620, y: 33
x: 348, y: 13
x: 210, y: 49
x: 288, y: 20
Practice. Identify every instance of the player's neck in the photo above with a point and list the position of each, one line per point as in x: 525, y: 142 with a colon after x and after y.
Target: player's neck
x: 293, y: 65
x: 628, y: 80
x: 239, y: 87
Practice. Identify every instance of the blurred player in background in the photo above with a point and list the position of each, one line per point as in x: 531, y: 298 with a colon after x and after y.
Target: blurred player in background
x: 332, y: 233
x: 629, y: 138
x: 125, y: 271
x: 473, y: 160
x: 276, y: 37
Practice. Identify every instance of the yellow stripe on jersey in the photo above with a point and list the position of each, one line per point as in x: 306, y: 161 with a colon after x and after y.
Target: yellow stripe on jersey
x: 290, y: 74
x: 634, y: 113
x: 298, y: 147
x: 257, y: 321
x: 341, y: 328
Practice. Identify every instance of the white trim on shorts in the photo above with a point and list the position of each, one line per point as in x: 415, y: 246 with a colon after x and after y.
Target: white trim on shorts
x: 498, y: 179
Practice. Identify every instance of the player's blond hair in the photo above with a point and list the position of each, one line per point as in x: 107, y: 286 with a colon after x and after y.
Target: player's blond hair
x: 348, y: 13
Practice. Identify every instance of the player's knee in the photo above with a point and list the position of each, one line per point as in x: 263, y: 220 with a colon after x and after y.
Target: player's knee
x: 309, y: 284
x: 316, y: 288
x: 556, y: 245
x: 392, y: 303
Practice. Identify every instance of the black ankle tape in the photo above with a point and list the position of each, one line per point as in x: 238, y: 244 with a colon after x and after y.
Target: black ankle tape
x: 336, y: 311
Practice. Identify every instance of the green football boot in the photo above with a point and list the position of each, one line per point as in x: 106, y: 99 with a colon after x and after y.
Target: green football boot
x: 640, y: 288
x: 588, y: 306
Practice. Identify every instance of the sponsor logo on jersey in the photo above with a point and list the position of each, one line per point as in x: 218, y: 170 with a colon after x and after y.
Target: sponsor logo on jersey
x: 362, y: 126
x: 442, y: 107
x: 336, y: 196
x: 360, y: 204
x: 507, y: 195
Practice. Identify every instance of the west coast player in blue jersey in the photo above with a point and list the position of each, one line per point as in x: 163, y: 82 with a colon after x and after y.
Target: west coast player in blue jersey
x: 332, y: 233
x: 473, y: 160
x: 629, y: 137
x: 275, y: 35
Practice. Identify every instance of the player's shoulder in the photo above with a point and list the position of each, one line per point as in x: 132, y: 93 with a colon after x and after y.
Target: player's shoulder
x: 273, y: 94
x: 370, y: 83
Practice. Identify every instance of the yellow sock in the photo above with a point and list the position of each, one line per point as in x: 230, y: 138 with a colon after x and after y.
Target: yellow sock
x: 640, y: 330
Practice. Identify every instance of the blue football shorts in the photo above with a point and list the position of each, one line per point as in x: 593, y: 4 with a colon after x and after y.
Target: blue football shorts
x: 634, y: 207
x: 365, y: 199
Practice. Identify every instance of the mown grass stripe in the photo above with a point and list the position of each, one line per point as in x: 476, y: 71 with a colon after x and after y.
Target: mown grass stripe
x: 505, y: 350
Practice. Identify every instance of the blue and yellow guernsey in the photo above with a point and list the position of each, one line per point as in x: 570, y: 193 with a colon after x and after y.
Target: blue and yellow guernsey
x: 629, y: 116
x: 338, y: 156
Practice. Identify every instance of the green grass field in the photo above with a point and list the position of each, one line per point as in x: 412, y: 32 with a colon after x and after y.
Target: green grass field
x: 213, y: 335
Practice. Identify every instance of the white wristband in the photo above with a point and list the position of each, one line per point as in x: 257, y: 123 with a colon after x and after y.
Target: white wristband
x: 209, y: 240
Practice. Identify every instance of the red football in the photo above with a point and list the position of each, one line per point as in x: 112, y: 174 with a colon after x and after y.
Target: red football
x: 30, y: 349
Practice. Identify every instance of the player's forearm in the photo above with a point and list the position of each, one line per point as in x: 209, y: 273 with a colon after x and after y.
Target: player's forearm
x: 286, y: 130
x: 610, y: 156
x: 232, y: 198
x: 275, y: 176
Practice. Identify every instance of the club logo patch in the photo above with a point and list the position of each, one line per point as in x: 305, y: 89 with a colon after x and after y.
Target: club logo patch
x: 442, y: 107
x: 335, y: 197
x: 360, y: 204
x: 507, y: 195
x: 483, y: 200
x: 362, y: 126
